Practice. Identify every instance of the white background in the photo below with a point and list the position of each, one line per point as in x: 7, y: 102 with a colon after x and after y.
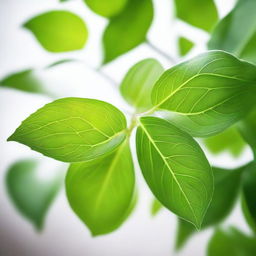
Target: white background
x: 64, y: 234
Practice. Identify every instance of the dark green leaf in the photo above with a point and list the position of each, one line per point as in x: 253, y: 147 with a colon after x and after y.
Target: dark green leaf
x: 185, y: 46
x: 236, y: 33
x: 128, y: 29
x: 137, y: 84
x: 208, y: 93
x: 73, y: 129
x: 59, y: 31
x: 175, y: 168
x: 107, y: 8
x: 231, y: 242
x: 31, y: 195
x: 199, y: 13
x: 101, y: 192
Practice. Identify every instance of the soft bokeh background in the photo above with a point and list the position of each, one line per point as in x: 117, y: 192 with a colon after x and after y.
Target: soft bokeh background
x: 64, y: 234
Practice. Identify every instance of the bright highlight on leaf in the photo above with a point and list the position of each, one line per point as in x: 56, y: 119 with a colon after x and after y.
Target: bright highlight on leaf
x: 208, y: 93
x: 107, y: 8
x: 101, y: 193
x: 73, y: 129
x: 137, y: 84
x: 128, y: 29
x: 175, y: 168
x: 59, y: 31
x: 31, y: 195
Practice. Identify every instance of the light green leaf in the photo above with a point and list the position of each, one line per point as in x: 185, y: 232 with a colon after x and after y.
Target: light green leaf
x: 208, y: 93
x: 59, y: 31
x: 199, y: 13
x: 101, y: 192
x: 226, y: 188
x: 60, y: 62
x: 137, y: 84
x: 105, y: 8
x: 155, y: 207
x: 31, y: 195
x: 230, y: 140
x: 73, y: 129
x: 231, y: 242
x: 249, y: 196
x: 175, y: 168
x: 236, y: 33
x: 185, y: 46
x: 128, y: 29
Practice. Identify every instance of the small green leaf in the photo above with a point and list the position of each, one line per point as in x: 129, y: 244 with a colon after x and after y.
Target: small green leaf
x: 208, y: 93
x: 236, y: 33
x: 128, y: 29
x: 249, y: 196
x: 59, y: 31
x: 156, y: 207
x: 185, y: 46
x: 105, y: 8
x: 24, y: 80
x: 73, y: 129
x: 231, y: 242
x: 31, y: 195
x: 226, y: 188
x: 101, y: 192
x: 199, y: 13
x: 137, y: 84
x: 60, y: 62
x: 230, y: 140
x: 175, y: 168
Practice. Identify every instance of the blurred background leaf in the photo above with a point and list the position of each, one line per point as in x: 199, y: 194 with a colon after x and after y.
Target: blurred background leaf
x: 184, y: 45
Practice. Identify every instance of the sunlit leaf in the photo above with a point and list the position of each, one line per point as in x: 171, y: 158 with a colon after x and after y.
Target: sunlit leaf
x: 199, y: 13
x: 31, y: 195
x: 73, y: 129
x: 175, y: 168
x: 207, y: 93
x: 137, y: 84
x: 185, y: 46
x: 101, y: 192
x: 107, y: 8
x: 128, y: 29
x: 59, y: 31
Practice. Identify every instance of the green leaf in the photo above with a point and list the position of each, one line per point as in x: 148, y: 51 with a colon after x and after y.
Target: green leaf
x: 73, y: 129
x: 208, y: 93
x: 175, y: 168
x: 128, y: 29
x: 101, y: 192
x: 185, y: 46
x: 105, y: 8
x: 155, y: 207
x: 24, y: 80
x: 137, y: 84
x: 199, y: 13
x: 230, y: 140
x: 59, y: 31
x: 31, y: 195
x: 249, y: 196
x: 231, y: 242
x: 236, y: 33
x: 60, y: 62
x: 226, y: 188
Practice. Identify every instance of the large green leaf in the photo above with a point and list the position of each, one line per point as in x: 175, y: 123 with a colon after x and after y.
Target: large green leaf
x: 249, y: 196
x: 226, y: 188
x: 231, y: 242
x: 128, y: 29
x: 24, y: 80
x: 31, y: 195
x: 137, y: 84
x: 73, y: 129
x: 236, y: 33
x: 101, y: 192
x: 105, y: 8
x: 185, y: 45
x: 175, y: 168
x: 59, y: 31
x: 230, y: 140
x: 208, y: 93
x: 199, y: 13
